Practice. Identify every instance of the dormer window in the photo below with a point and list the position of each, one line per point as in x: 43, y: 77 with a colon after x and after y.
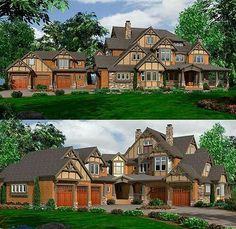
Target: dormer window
x: 31, y: 62
x: 118, y: 168
x: 63, y: 64
x: 150, y: 40
x: 147, y: 143
x: 198, y: 59
x: 94, y: 169
x: 180, y: 58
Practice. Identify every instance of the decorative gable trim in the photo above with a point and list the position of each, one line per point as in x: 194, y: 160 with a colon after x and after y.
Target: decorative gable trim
x: 178, y: 171
x: 198, y: 46
x: 19, y: 63
x: 63, y: 52
x: 164, y: 41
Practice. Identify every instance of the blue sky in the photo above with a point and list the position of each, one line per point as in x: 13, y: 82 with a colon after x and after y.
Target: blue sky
x: 142, y: 13
x: 117, y: 136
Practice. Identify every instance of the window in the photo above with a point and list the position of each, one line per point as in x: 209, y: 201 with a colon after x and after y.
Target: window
x: 123, y: 76
x: 63, y: 63
x: 18, y: 188
x: 143, y: 168
x: 94, y: 169
x: 222, y: 189
x: 180, y: 44
x: 208, y: 188
x: 31, y: 62
x: 198, y: 59
x: 147, y: 142
x: 151, y: 76
x: 160, y: 163
x: 140, y: 150
x: 180, y: 58
x: 118, y: 168
x: 79, y: 77
x: 218, y: 191
x: 143, y: 76
x: 108, y: 189
x: 136, y: 56
x: 150, y: 40
x: 165, y: 55
x: 208, y: 167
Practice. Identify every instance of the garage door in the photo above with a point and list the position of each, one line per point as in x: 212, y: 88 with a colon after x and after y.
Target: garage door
x: 63, y: 82
x: 95, y: 195
x: 64, y: 196
x: 20, y: 82
x: 181, y: 197
x: 158, y: 193
x: 42, y: 80
x: 82, y: 196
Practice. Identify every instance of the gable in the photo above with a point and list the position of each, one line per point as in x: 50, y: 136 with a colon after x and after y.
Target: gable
x: 151, y: 63
x: 63, y: 54
x: 95, y: 157
x: 178, y: 175
x: 142, y: 40
x: 118, y: 158
x: 164, y: 44
x: 19, y: 66
x: 198, y: 49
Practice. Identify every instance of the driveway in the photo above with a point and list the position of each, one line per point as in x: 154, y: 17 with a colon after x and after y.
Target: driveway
x: 217, y: 216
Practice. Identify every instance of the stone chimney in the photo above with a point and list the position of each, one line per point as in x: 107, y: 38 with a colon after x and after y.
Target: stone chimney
x: 169, y: 134
x: 128, y: 31
x: 138, y: 133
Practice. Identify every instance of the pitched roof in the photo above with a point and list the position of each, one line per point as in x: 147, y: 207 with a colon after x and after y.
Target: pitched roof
x: 183, y: 142
x: 216, y: 172
x: 84, y: 153
x: 105, y: 61
x: 43, y: 163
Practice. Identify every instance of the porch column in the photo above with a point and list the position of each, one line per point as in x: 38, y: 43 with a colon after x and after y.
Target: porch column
x: 51, y: 84
x: 131, y: 192
x: 183, y: 80
x: 30, y: 82
x: 73, y: 86
x: 179, y: 80
x: 143, y: 194
x: 104, y: 194
x: 200, y: 80
x: 217, y: 79
x: 113, y: 192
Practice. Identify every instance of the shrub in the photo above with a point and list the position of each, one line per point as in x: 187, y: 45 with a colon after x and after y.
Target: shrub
x: 59, y: 92
x: 79, y: 93
x: 199, y: 204
x: 16, y: 94
x: 50, y: 205
x: 195, y: 223
x: 133, y: 213
x: 206, y: 87
x: 169, y: 216
x: 82, y: 210
x: 219, y: 203
x: 154, y: 215
x: 137, y: 201
x: 117, y: 212
x: 36, y: 193
x: 215, y: 226
x: 111, y: 202
x: 1, y: 97
x: 102, y: 91
x: 220, y: 85
x: 65, y: 209
x: 41, y: 87
x: 42, y: 94
x: 97, y: 210
x: 156, y: 202
x: 3, y: 194
x: 7, y: 110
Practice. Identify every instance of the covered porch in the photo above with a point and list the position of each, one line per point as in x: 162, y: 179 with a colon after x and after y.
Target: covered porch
x: 194, y: 76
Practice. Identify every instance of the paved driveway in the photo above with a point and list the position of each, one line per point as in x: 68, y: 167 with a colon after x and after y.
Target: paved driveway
x: 223, y: 217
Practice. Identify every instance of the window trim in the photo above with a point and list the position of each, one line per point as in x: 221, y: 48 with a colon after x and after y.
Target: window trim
x: 29, y: 61
x: 136, y: 56
x: 196, y: 59
x: 207, y: 188
x: 18, y: 189
x: 143, y: 168
x: 178, y: 60
x: 148, y: 40
x: 164, y: 52
x: 93, y: 167
x: 63, y: 66
x: 161, y: 159
x: 121, y: 167
x: 123, y: 76
x: 145, y: 76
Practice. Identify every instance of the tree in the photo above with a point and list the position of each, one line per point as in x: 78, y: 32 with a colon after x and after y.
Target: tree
x: 16, y: 39
x: 3, y: 194
x: 17, y: 139
x: 135, y: 80
x: 36, y: 193
x: 220, y: 148
x: 212, y: 194
x: 82, y: 32
x: 32, y: 11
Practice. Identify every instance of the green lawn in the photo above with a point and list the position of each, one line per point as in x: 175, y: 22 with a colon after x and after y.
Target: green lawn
x: 124, y: 106
x: 30, y: 218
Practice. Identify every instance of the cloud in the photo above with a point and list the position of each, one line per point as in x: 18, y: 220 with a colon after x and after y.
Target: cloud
x: 38, y: 33
x: 117, y: 136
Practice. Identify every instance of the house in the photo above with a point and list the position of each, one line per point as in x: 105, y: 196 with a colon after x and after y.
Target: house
x: 156, y: 58
x: 54, y: 69
x: 156, y: 165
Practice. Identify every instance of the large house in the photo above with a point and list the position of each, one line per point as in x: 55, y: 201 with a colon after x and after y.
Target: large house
x: 156, y: 165
x: 156, y: 57
x: 54, y: 69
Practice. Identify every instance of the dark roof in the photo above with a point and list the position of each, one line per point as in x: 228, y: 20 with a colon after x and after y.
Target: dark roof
x: 49, y: 55
x: 70, y: 70
x: 105, y: 61
x: 84, y: 153
x: 183, y: 142
x: 44, y: 163
x: 126, y: 68
x: 216, y: 172
x: 144, y: 177
x: 108, y: 157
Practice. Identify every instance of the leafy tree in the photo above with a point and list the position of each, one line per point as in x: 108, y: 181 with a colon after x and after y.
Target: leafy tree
x: 220, y: 149
x: 82, y: 32
x: 30, y: 10
x: 36, y: 193
x: 135, y: 80
x: 3, y: 194
x: 17, y: 139
x: 16, y: 39
x: 212, y: 194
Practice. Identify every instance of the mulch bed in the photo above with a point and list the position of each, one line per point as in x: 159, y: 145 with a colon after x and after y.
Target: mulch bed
x: 226, y: 104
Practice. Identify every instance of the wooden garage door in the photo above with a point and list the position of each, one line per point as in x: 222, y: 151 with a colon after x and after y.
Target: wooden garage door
x: 82, y: 196
x: 63, y: 82
x: 158, y: 193
x: 42, y: 80
x: 64, y: 196
x: 181, y: 197
x: 96, y: 195
x: 20, y: 82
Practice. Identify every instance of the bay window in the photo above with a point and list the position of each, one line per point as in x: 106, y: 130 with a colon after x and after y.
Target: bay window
x: 160, y: 163
x: 151, y: 76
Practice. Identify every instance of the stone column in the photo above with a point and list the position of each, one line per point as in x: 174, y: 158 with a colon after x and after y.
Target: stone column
x: 183, y: 80
x: 217, y: 79
x: 179, y: 80
x: 131, y: 193
x: 200, y: 80
x: 51, y: 84
x: 30, y: 82
x: 74, y: 191
x: 113, y: 192
x: 143, y: 194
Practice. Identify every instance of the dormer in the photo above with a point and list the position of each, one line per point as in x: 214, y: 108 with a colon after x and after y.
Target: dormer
x: 206, y: 169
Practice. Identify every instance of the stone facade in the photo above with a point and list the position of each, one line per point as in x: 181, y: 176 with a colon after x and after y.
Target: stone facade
x: 120, y: 84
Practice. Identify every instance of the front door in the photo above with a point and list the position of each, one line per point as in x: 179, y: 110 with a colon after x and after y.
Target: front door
x: 190, y: 78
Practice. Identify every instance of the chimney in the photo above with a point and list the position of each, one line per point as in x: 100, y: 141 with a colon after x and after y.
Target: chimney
x: 128, y: 30
x: 169, y: 134
x: 138, y: 133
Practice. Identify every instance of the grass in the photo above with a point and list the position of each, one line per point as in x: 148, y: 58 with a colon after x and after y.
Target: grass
x: 9, y: 218
x: 124, y: 106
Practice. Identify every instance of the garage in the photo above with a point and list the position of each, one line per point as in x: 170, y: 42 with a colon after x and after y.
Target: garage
x: 181, y: 197
x: 64, y: 82
x: 64, y: 196
x: 158, y: 193
x: 95, y: 195
x: 20, y: 82
x: 42, y: 80
x: 82, y: 196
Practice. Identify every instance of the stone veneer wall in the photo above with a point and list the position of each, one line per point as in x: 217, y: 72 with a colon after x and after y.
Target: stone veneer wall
x: 202, y: 196
x: 114, y: 84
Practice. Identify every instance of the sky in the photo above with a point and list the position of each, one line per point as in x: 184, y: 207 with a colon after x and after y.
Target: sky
x: 116, y: 136
x: 142, y: 13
